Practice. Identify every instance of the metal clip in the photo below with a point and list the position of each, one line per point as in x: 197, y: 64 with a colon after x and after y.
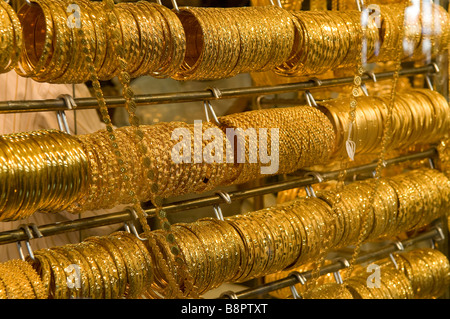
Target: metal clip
x: 317, y: 81
x: 301, y: 279
x: 435, y: 67
x: 338, y: 278
x: 337, y: 274
x: 309, y: 189
x: 372, y: 76
x: 364, y: 86
x: 277, y: 4
x: 310, y: 99
x: 207, y: 105
x: 28, y: 228
x: 217, y: 210
x: 258, y: 102
x: 226, y: 197
x: 360, y: 5
x: 440, y: 236
x: 429, y: 82
x: 129, y: 225
x: 61, y: 115
x: 174, y: 4
x: 364, y: 89
x: 431, y: 163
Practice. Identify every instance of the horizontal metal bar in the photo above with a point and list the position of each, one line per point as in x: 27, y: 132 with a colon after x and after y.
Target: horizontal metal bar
x: 336, y: 266
x: 124, y: 216
x: 198, y: 96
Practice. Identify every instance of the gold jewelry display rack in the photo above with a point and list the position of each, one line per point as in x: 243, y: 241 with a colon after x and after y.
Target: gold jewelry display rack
x: 27, y: 232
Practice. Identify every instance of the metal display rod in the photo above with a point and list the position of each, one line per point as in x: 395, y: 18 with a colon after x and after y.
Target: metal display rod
x: 434, y: 234
x: 126, y: 216
x: 208, y: 94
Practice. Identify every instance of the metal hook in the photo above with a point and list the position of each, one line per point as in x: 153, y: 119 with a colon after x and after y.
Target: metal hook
x: 218, y: 212
x: 317, y: 81
x: 337, y: 274
x: 317, y: 175
x: 429, y: 82
x: 258, y: 102
x: 310, y: 99
x: 309, y: 189
x: 440, y: 236
x: 400, y: 247
x: 364, y: 86
x: 364, y: 89
x: 360, y: 5
x: 27, y: 230
x: 61, y: 115
x: 129, y: 225
x: 226, y: 197
x: 435, y: 67
x: 215, y: 91
x: 174, y: 4
x: 207, y: 105
x: 343, y: 261
x: 278, y: 3
x: 431, y: 162
x: 301, y: 279
x: 372, y: 76
x: 338, y: 277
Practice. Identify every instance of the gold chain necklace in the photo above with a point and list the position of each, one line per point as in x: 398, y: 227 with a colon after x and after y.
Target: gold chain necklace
x: 130, y: 105
x: 385, y: 141
x: 343, y: 163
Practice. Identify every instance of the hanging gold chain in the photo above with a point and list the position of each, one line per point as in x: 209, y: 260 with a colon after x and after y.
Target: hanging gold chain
x: 356, y: 89
x: 130, y: 105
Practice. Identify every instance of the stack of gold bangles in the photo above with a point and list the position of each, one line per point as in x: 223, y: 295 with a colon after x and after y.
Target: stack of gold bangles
x: 201, y: 43
x: 10, y: 38
x: 419, y: 116
x: 224, y: 42
x: 52, y: 51
x: 419, y: 274
x: 303, y: 136
x: 19, y: 280
x: 41, y: 171
x: 337, y: 43
x: 417, y: 44
x: 109, y: 267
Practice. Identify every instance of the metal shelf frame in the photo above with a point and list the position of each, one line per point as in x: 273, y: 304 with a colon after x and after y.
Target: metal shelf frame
x: 206, y: 95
